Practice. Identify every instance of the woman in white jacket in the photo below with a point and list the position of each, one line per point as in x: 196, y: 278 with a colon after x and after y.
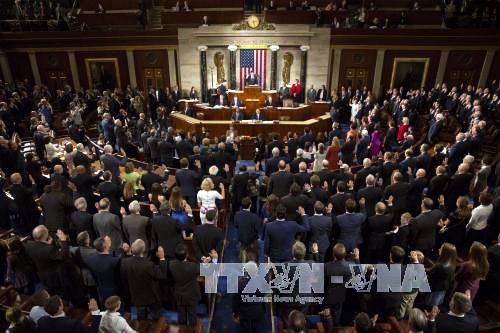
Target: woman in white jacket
x: 111, y: 321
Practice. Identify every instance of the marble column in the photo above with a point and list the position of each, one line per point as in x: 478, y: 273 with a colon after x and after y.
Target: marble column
x: 172, y: 72
x: 274, y: 66
x: 485, y: 71
x: 131, y: 69
x: 4, y: 65
x: 34, y: 68
x: 337, y: 52
x: 303, y: 71
x: 203, y: 72
x: 442, y: 67
x: 232, y: 66
x: 377, y: 76
x: 74, y: 70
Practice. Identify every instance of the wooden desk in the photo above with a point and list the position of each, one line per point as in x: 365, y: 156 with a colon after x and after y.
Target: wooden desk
x: 217, y: 121
x: 253, y: 97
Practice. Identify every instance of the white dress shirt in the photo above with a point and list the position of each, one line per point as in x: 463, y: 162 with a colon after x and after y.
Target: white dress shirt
x: 479, y: 217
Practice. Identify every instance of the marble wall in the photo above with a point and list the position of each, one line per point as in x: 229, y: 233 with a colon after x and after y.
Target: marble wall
x: 288, y: 37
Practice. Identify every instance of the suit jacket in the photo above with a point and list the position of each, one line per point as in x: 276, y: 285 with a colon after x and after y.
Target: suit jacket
x: 338, y: 202
x: 167, y: 152
x: 423, y: 230
x: 108, y: 224
x: 166, y: 232
x: 321, y: 231
x: 372, y: 195
x: 252, y: 80
x: 82, y: 221
x: 360, y: 179
x: 240, y: 186
x: 294, y: 165
x: 221, y: 103
x: 293, y: 202
x: 335, y: 292
x: 111, y: 191
x: 248, y: 225
x: 85, y: 185
x: 348, y: 227
x: 237, y: 116
x: 377, y: 226
x: 481, y: 180
x: 280, y: 183
x: 447, y: 323
x: 207, y: 237
x: 361, y: 149
x: 400, y: 193
x: 279, y: 238
x: 56, y: 208
x: 141, y: 276
x: 184, y: 148
x: 149, y: 178
x: 111, y: 164
x: 106, y: 270
x: 272, y: 165
x: 347, y: 151
x: 236, y: 103
x: 135, y: 227
x: 390, y: 138
x: 188, y: 181
x: 258, y: 117
x: 48, y: 259
x: 185, y: 275
x: 434, y: 131
x: 301, y: 178
x: 81, y: 159
x: 48, y: 324
x: 456, y: 154
x: 437, y: 186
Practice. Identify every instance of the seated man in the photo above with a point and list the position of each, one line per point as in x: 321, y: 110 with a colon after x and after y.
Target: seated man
x: 236, y: 102
x: 237, y: 115
x: 258, y: 116
x: 270, y: 102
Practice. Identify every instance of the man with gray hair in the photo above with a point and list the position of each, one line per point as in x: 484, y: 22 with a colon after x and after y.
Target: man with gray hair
x: 359, y: 180
x: 417, y: 321
x: 461, y: 318
x: 108, y: 224
x: 81, y: 220
x: 135, y: 225
x: 272, y: 163
x: 111, y: 163
x: 361, y: 150
x: 294, y: 165
x: 456, y: 153
x: 371, y: 195
x: 142, y: 278
x: 376, y: 227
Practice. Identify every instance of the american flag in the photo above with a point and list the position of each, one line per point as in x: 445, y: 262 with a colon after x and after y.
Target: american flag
x: 255, y: 60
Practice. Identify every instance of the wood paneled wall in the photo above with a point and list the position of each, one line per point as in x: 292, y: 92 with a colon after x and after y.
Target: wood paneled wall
x: 152, y: 59
x: 20, y: 66
x: 390, y: 55
x: 54, y: 69
x: 495, y: 68
x: 464, y: 67
x: 121, y: 57
x: 357, y: 68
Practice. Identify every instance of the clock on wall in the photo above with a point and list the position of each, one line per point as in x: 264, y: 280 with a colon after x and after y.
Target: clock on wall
x: 253, y: 21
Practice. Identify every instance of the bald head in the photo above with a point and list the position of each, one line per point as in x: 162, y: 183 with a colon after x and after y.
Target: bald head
x: 370, y: 180
x: 58, y: 169
x: 40, y: 233
x: 282, y: 165
x: 302, y: 166
x: 463, y: 168
x: 420, y: 173
x: 16, y: 178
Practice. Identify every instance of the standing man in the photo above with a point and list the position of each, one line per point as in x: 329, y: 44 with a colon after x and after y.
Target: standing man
x: 311, y: 95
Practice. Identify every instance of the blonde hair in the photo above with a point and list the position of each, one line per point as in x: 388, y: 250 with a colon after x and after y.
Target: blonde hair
x: 335, y: 142
x: 207, y: 184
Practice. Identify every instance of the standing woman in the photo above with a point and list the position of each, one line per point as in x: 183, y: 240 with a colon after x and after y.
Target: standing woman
x: 332, y: 154
x: 206, y: 197
x: 453, y: 230
x: 319, y: 157
x: 441, y: 274
x: 472, y: 271
x: 375, y: 144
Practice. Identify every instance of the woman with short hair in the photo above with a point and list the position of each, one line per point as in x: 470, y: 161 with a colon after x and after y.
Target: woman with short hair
x: 206, y: 197
x: 111, y: 321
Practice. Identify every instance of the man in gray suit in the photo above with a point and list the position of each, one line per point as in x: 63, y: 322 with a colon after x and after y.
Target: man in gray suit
x: 311, y: 95
x: 108, y: 224
x: 135, y: 225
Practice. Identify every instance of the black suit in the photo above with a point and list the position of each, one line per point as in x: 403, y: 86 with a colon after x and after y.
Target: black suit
x: 321, y: 232
x: 81, y: 221
x: 166, y: 232
x: 302, y: 178
x: 26, y: 206
x: 47, y: 324
x: 400, y: 193
x: 417, y: 187
x: 248, y: 225
x: 390, y: 138
x: 188, y: 181
x: 141, y: 277
x: 280, y: 183
x: 111, y: 191
x: 423, y: 230
x: 338, y: 202
x: 437, y: 186
x: 360, y: 179
x: 81, y: 159
x: 186, y: 289
x: 372, y: 195
x: 48, y: 259
x: 292, y: 203
x: 56, y: 208
x: 347, y: 151
x: 106, y: 270
x: 149, y: 178
x: 85, y: 185
x: 207, y: 237
x: 239, y: 189
x: 457, y: 186
x: 377, y: 226
x: 447, y: 323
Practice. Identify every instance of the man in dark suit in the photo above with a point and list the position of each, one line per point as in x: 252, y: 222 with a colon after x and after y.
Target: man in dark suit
x: 56, y: 207
x: 25, y: 204
x: 339, y: 199
x: 424, y: 159
x: 280, y: 235
x: 105, y: 268
x: 456, y: 153
x: 236, y: 102
x: 111, y: 163
x: 399, y: 191
x: 321, y: 230
x: 184, y: 147
x: 407, y: 166
x: 39, y: 139
x: 458, y: 185
x: 85, y: 183
x: 248, y: 225
x: 347, y: 150
x: 361, y: 150
x: 108, y: 224
x: 435, y: 129
x: 391, y: 136
x: 149, y: 177
x: 275, y: 143
x: 377, y: 227
x: 57, y: 322
x: 294, y: 200
x: 208, y: 237
x: 48, y: 257
x: 371, y: 193
x: 80, y: 158
x: 186, y: 289
x: 221, y: 100
x: 270, y: 102
x: 294, y: 164
x: 326, y: 175
x: 110, y: 190
x: 423, y: 228
x: 316, y: 192
x: 258, y: 116
x: 306, y: 137
x: 272, y: 162
x: 417, y: 187
x: 239, y: 189
x: 166, y: 231
x: 348, y: 226
x: 252, y: 79
x: 386, y: 168
x: 188, y: 181
x: 360, y: 178
x: 81, y: 220
x: 141, y: 276
x: 438, y: 184
x: 302, y: 177
x: 237, y: 115
x: 460, y: 319
x: 335, y: 292
x: 292, y: 144
x: 280, y: 181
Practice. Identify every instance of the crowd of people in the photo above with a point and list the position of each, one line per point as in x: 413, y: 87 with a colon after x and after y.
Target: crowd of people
x: 381, y: 187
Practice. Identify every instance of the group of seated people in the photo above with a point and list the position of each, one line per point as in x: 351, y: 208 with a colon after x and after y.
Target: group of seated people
x: 134, y: 238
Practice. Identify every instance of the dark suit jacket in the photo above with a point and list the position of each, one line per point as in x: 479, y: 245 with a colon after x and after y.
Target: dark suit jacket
x: 423, y: 230
x: 48, y: 324
x: 348, y: 227
x: 111, y: 191
x: 48, y: 259
x: 240, y: 187
x: 400, y: 193
x: 294, y: 165
x: 456, y: 154
x: 188, y: 181
x: 301, y: 178
x: 321, y: 231
x: 335, y: 292
x: 149, y: 178
x: 166, y: 232
x: 377, y: 226
x: 207, y: 237
x: 272, y: 165
x: 437, y: 186
x: 105, y: 269
x: 56, y: 208
x: 390, y: 138
x: 135, y: 227
x: 82, y: 221
x: 372, y: 195
x: 184, y: 148
x: 185, y: 275
x: 293, y: 202
x: 248, y: 225
x: 237, y: 116
x: 279, y: 238
x: 81, y: 159
x: 141, y: 277
x: 108, y: 224
x: 338, y: 202
x: 360, y: 179
x: 280, y: 183
x: 260, y: 117
x: 347, y: 151
x: 446, y: 323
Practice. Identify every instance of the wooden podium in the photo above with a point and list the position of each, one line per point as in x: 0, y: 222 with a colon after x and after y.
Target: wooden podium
x: 252, y: 96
